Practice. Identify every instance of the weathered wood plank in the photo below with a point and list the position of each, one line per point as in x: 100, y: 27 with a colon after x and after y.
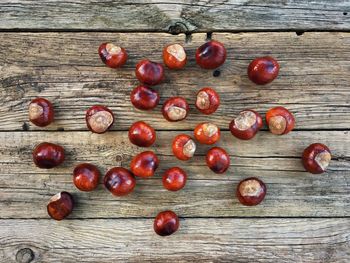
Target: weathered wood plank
x: 198, y: 240
x: 25, y: 189
x: 111, y: 145
x: 64, y: 67
x: 175, y: 16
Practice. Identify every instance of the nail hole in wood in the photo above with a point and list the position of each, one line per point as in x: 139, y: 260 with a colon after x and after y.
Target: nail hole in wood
x: 188, y: 38
x: 209, y: 36
x: 345, y: 13
x: 216, y: 73
x: 25, y: 255
x: 25, y: 126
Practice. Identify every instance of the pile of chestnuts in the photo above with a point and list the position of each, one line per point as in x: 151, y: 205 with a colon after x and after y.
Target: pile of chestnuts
x: 121, y: 181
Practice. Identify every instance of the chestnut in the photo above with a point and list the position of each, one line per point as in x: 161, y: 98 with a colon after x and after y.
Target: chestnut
x: 99, y: 119
x: 174, y: 56
x: 184, y: 147
x: 86, y: 177
x: 246, y: 124
x: 263, y: 70
x: 166, y: 223
x: 207, y: 101
x: 142, y: 134
x: 41, y: 112
x: 48, y: 155
x: 251, y: 191
x: 144, y: 98
x: 207, y: 133
x: 174, y: 179
x: 316, y: 158
x: 218, y: 160
x: 60, y: 205
x: 280, y: 120
x: 119, y: 181
x: 149, y: 72
x: 113, y: 56
x: 175, y: 109
x: 144, y: 164
x: 211, y: 55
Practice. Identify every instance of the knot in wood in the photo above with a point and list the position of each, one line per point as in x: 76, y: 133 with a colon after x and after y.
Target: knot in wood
x: 178, y: 28
x: 25, y: 255
x: 119, y: 158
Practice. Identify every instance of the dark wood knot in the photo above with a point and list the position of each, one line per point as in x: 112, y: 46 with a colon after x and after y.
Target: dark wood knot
x: 178, y: 28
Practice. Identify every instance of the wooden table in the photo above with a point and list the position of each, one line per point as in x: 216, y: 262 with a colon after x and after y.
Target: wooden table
x: 48, y: 49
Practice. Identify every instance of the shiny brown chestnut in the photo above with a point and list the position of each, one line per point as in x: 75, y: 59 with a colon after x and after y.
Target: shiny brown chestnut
x: 99, y: 119
x: 175, y: 109
x: 149, y: 72
x: 119, y: 181
x: 144, y: 98
x: 113, y: 56
x: 251, y: 191
x: 174, y: 179
x: 86, y: 177
x: 218, y: 160
x: 144, y: 164
x: 246, y: 125
x: 60, y: 205
x: 207, y: 133
x: 280, y: 120
x: 211, y: 55
x: 166, y: 223
x: 174, y: 56
x: 316, y: 158
x: 263, y: 70
x: 183, y: 147
x: 207, y: 101
x: 41, y: 112
x: 48, y: 155
x: 142, y: 134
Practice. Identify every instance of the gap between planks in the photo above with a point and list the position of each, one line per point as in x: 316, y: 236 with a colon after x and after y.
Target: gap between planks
x: 181, y: 217
x: 164, y: 130
x: 298, y: 32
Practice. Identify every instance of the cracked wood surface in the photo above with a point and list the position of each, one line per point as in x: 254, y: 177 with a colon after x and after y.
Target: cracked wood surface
x: 175, y: 16
x: 65, y: 68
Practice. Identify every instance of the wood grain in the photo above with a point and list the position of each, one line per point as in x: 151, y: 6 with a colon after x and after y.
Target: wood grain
x: 174, y: 16
x: 198, y: 240
x: 304, y: 217
x: 65, y: 68
x: 26, y: 189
